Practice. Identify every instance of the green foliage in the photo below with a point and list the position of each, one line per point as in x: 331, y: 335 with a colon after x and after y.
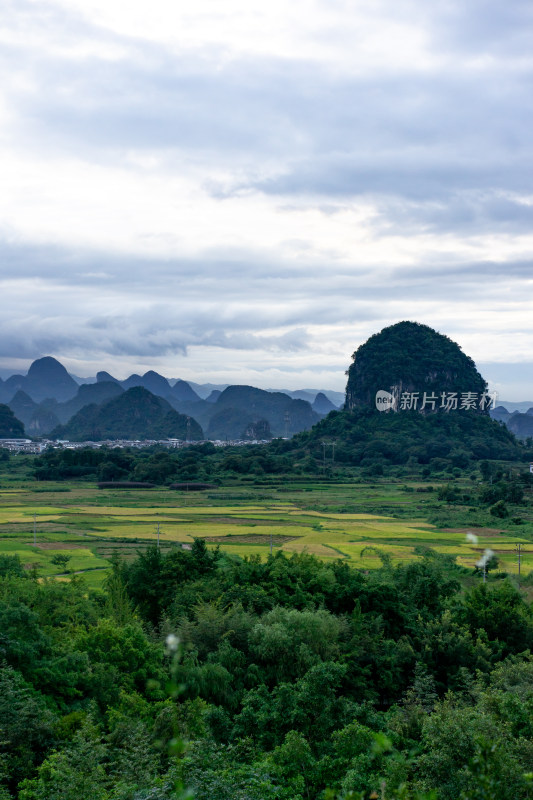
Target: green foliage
x: 414, y: 355
x: 10, y: 426
x: 60, y: 560
x: 75, y: 771
x: 134, y: 414
x: 86, y: 462
x: 122, y: 657
x: 10, y: 566
x: 295, y: 679
x: 499, y: 510
x: 26, y: 726
x: 458, y: 758
x: 501, y: 613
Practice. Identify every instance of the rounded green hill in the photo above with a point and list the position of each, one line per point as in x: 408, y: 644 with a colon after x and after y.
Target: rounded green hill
x: 405, y: 359
x: 409, y: 357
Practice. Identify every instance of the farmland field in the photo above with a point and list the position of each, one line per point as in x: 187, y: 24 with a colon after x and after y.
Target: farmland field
x: 359, y: 523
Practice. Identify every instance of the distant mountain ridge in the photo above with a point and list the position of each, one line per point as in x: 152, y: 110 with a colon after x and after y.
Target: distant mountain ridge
x: 521, y: 424
x: 249, y: 405
x: 46, y: 378
x: 47, y: 399
x: 133, y: 414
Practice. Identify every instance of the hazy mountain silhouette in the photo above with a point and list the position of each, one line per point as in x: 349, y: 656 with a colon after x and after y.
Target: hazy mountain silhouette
x: 183, y: 393
x: 46, y: 377
x: 134, y: 414
x: 322, y: 405
x: 23, y: 407
x: 87, y: 394
x: 284, y: 415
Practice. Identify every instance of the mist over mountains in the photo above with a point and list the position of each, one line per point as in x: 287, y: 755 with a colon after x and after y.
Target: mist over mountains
x: 50, y: 401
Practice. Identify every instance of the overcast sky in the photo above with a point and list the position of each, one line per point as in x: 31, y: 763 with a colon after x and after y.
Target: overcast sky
x: 244, y: 191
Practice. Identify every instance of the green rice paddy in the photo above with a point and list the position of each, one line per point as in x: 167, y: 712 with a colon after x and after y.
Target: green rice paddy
x: 358, y: 523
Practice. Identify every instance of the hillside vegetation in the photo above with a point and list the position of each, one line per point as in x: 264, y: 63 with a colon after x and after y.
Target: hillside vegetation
x: 134, y: 414
x: 288, y: 679
x: 409, y: 357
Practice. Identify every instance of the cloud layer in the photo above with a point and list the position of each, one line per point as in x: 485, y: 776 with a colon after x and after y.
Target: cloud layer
x: 245, y: 191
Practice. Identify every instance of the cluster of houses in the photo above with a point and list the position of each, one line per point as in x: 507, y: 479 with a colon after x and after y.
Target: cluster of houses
x: 30, y: 446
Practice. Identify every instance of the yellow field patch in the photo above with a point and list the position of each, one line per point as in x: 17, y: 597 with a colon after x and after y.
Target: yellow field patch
x: 244, y: 550
x: 120, y: 511
x: 24, y: 515
x: 455, y: 550
x: 328, y: 535
x: 223, y: 529
x: 367, y: 559
x: 332, y: 515
x: 388, y: 530
x: 220, y: 510
x: 320, y: 549
x: 133, y: 520
x: 123, y: 530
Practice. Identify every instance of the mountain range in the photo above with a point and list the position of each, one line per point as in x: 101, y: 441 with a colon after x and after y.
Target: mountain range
x: 49, y: 401
x: 521, y: 424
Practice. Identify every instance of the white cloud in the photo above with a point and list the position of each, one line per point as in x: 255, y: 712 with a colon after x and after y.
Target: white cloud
x: 250, y: 189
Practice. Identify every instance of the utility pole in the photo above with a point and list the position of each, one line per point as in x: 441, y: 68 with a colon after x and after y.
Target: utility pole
x: 34, y: 531
x: 324, y: 445
x: 158, y: 535
x: 518, y: 549
x: 271, y: 542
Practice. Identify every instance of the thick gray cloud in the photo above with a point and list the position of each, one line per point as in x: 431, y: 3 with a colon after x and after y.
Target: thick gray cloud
x: 265, y: 205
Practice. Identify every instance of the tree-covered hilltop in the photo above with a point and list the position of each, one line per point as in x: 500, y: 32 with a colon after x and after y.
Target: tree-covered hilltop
x: 412, y: 358
x: 409, y: 357
x: 287, y: 679
x: 134, y: 414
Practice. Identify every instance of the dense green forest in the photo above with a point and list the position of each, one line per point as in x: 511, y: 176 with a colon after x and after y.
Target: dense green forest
x: 344, y: 443
x: 285, y: 679
x: 133, y: 414
x: 410, y: 357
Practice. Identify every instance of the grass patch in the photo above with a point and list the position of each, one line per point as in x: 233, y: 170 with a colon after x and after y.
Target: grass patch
x: 333, y: 520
